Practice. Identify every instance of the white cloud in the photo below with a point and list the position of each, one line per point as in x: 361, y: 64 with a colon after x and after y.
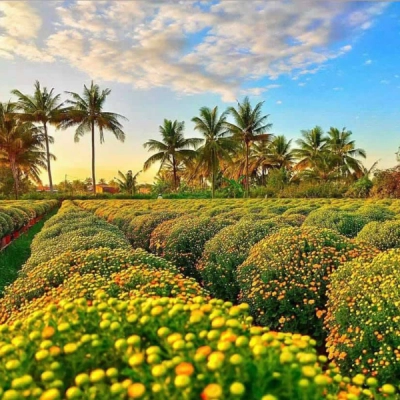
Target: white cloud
x: 279, y: 102
x: 337, y: 89
x: 384, y: 82
x: 19, y: 19
x: 190, y: 47
x: 368, y: 62
x: 302, y: 84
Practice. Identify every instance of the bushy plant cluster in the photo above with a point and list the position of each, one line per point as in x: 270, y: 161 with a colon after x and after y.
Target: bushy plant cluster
x: 14, y: 215
x: 185, y: 242
x: 285, y: 277
x: 73, y: 229
x: 364, y: 315
x: 383, y: 235
x: 159, y: 349
x: 141, y: 227
x: 101, y: 320
x: 226, y: 251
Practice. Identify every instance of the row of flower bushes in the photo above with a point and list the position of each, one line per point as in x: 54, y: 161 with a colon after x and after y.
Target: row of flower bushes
x: 113, y: 323
x: 16, y: 216
x: 282, y: 272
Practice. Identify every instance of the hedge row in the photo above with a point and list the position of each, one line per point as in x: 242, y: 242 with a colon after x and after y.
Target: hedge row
x: 95, y: 324
x: 15, y: 215
x: 282, y: 272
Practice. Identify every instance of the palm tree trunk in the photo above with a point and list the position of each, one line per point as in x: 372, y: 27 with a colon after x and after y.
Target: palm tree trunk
x: 14, y: 172
x: 247, y: 170
x: 213, y: 182
x: 93, y: 162
x: 48, y: 157
x: 175, y: 177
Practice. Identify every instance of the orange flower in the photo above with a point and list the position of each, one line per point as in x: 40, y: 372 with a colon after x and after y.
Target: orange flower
x: 184, y: 368
x: 48, y: 332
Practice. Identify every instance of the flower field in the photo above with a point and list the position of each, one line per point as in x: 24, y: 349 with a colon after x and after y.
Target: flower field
x: 17, y: 216
x: 197, y: 299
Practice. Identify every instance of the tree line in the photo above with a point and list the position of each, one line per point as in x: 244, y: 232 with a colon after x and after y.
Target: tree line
x: 244, y: 150
x: 236, y: 146
x: 24, y: 138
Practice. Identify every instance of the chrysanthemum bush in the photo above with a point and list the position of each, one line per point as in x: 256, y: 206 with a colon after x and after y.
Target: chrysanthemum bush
x: 184, y: 243
x: 160, y: 234
x: 158, y: 349
x: 46, y: 276
x: 141, y: 227
x: 343, y: 222
x: 15, y: 214
x: 383, y: 235
x: 285, y: 277
x: 73, y: 229
x: 132, y: 281
x: 225, y: 252
x: 364, y: 315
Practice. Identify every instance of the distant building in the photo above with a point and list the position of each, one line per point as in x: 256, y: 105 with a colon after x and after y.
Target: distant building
x: 103, y: 188
x: 144, y: 188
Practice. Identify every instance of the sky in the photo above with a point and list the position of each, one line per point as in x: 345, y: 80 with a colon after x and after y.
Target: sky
x: 312, y: 62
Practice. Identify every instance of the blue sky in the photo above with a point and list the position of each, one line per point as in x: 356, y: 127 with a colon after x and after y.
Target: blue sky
x: 312, y: 62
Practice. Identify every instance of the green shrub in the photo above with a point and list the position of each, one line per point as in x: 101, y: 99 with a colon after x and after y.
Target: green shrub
x: 225, y: 252
x: 363, y: 317
x: 185, y: 242
x: 345, y: 223
x: 284, y: 279
x: 383, y: 235
x: 141, y: 227
x: 155, y: 348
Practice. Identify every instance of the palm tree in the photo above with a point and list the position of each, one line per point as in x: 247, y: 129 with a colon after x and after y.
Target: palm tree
x: 250, y: 126
x: 345, y: 153
x: 21, y: 146
x: 280, y: 154
x: 127, y: 182
x: 45, y: 108
x: 172, y: 149
x: 312, y: 146
x: 87, y: 112
x: 216, y: 145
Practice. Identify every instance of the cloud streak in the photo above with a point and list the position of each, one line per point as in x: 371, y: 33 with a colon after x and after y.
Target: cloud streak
x: 225, y: 47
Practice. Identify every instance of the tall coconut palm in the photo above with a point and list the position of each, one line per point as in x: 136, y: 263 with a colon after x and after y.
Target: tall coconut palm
x: 217, y: 146
x: 87, y: 112
x: 250, y: 126
x: 22, y: 146
x: 280, y: 154
x: 343, y: 148
x: 312, y: 146
x: 173, y: 148
x: 44, y: 108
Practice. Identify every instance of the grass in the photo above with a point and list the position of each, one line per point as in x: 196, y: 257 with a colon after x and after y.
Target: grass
x: 15, y: 255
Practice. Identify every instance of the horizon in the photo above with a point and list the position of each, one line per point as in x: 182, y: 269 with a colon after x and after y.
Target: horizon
x: 318, y: 63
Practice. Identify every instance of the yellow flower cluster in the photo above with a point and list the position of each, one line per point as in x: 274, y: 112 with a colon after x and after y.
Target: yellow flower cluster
x: 14, y: 215
x: 363, y: 318
x: 155, y: 349
x: 285, y: 277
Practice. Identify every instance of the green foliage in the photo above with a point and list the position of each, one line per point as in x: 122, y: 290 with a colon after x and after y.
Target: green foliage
x: 363, y: 317
x: 141, y: 227
x: 186, y: 240
x: 225, y: 252
x: 73, y: 229
x: 285, y: 277
x: 345, y: 223
x: 361, y: 188
x: 383, y: 235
